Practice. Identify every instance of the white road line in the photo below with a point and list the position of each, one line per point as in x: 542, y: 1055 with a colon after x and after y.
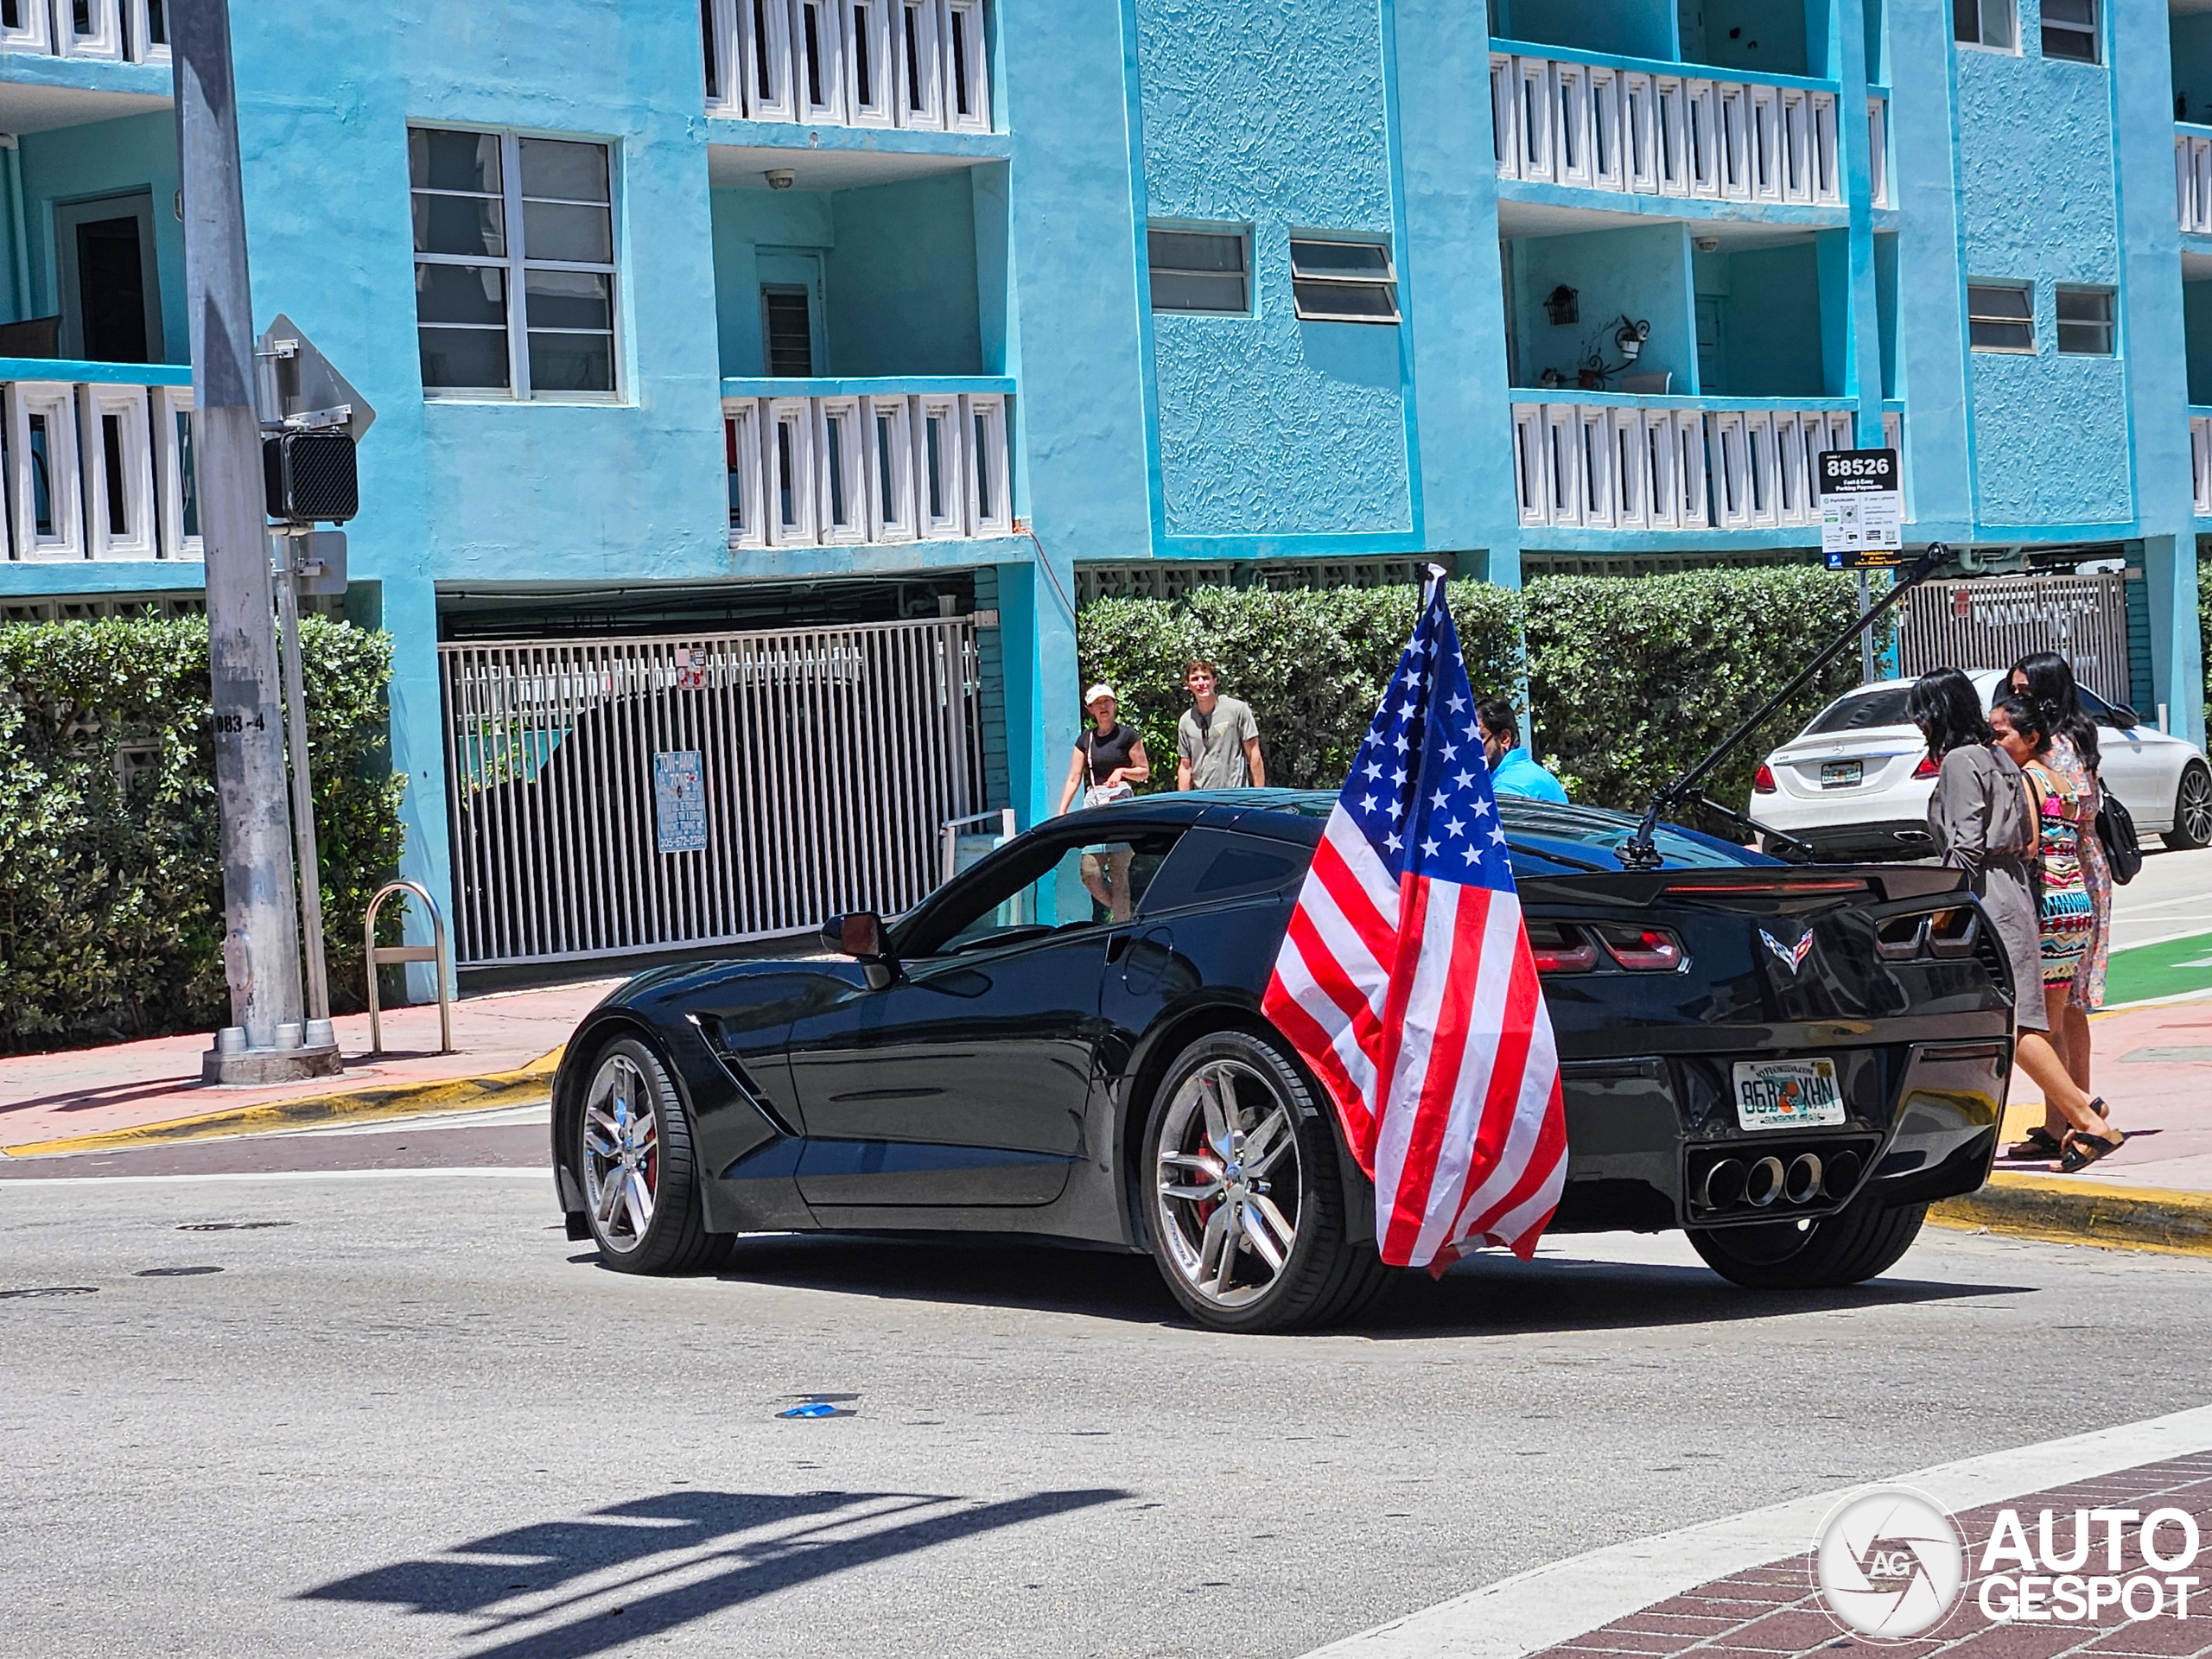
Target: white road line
x: 535, y: 1173
x: 1547, y: 1605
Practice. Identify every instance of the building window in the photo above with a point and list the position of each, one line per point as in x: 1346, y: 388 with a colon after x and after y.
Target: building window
x: 2070, y: 30
x: 1999, y: 319
x: 2084, y: 317
x: 1344, y: 281
x: 506, y: 315
x: 1985, y: 22
x: 788, y: 328
x: 1200, y: 270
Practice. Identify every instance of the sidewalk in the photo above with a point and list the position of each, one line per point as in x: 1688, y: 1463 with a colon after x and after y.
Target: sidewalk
x: 505, y: 1047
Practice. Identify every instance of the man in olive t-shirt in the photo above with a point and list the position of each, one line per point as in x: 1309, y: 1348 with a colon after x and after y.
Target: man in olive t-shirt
x: 1216, y: 741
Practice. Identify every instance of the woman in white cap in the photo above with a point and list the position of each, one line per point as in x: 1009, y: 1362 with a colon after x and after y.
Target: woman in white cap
x: 1109, y: 760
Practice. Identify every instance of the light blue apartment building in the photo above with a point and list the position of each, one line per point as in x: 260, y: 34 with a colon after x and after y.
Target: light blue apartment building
x: 763, y: 384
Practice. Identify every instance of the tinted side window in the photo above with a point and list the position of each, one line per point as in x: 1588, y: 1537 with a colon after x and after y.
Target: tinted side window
x: 1211, y: 867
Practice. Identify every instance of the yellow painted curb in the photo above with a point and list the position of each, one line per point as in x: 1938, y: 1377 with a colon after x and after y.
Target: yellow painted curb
x: 344, y: 1106
x: 2085, y: 1212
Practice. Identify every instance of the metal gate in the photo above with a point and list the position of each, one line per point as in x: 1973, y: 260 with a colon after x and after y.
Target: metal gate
x: 1995, y: 621
x: 612, y: 795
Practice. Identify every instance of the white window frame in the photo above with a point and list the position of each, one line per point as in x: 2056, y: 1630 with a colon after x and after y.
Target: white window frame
x: 137, y: 537
x: 1527, y: 460
x: 1607, y: 169
x: 1671, y: 159
x: 1532, y: 93
x: 173, y: 405
x: 917, y: 50
x: 1562, y: 442
x: 1504, y: 109
x: 742, y: 458
x: 2033, y: 345
x: 2109, y: 322
x: 727, y: 96
x: 2009, y: 9
x: 888, y: 431
x: 1625, y: 444
x: 764, y: 52
x: 104, y: 42
x: 967, y: 22
x: 1701, y: 126
x: 1694, y: 507
x: 1570, y: 103
x: 1827, y: 188
x: 839, y: 472
x: 1877, y: 150
x: 827, y: 68
x: 145, y: 49
x: 1661, y: 458
x: 2093, y: 32
x: 1639, y: 137
x: 990, y: 486
x: 1387, y: 282
x: 942, y: 410
x: 33, y: 33
x: 1769, y: 159
x: 56, y: 402
x: 868, y: 32
x: 517, y: 265
x: 787, y: 425
x: 1732, y: 109
x: 1593, y: 465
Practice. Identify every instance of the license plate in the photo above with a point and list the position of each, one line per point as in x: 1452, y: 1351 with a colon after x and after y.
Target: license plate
x: 1788, y: 1093
x: 1842, y: 774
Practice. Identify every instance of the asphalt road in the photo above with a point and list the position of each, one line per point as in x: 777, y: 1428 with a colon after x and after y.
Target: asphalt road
x: 397, y: 1412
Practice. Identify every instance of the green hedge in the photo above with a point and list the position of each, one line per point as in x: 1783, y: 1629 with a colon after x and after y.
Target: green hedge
x: 1312, y: 662
x: 1631, y: 678
x: 112, y: 891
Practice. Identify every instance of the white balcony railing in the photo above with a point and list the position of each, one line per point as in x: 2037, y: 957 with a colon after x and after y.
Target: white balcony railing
x: 116, y: 30
x: 1656, y: 130
x: 2193, y: 179
x: 1878, y: 148
x: 2200, y: 459
x: 1583, y: 459
x: 922, y: 64
x: 829, y: 463
x: 97, y: 468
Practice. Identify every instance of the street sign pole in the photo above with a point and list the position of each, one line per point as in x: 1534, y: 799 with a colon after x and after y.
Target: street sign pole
x: 261, y: 955
x: 303, y: 838
x: 1865, y: 639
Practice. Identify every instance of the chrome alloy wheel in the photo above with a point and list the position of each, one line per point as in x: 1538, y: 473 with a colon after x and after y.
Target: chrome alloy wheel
x: 1227, y: 1188
x: 2194, y: 810
x: 621, y: 1154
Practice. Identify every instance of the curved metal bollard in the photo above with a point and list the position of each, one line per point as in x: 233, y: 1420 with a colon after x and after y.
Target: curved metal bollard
x: 386, y: 956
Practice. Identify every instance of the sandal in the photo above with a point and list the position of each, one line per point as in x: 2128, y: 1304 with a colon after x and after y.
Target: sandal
x: 2083, y: 1150
x: 2037, y: 1143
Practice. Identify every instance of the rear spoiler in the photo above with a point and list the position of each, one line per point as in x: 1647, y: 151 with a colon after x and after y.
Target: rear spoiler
x: 1749, y: 887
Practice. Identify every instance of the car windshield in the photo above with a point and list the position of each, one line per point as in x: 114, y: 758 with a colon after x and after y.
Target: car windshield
x: 1862, y: 709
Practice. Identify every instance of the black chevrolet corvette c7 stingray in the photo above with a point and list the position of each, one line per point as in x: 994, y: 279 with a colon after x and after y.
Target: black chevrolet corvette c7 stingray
x: 1066, y: 1042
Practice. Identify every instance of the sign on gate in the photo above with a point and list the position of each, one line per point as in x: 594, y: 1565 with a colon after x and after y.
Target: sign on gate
x: 1862, y: 508
x: 679, y: 801
x: 1993, y: 622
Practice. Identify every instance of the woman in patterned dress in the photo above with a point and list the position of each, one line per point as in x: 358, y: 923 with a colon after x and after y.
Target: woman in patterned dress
x: 2066, y: 919
x: 2047, y: 680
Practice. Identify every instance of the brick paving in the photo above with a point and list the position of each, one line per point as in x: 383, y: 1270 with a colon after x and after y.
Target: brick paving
x: 1768, y: 1612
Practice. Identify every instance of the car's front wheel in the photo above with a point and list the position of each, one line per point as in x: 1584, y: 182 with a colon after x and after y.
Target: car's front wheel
x: 2192, y: 809
x: 1246, y: 1203
x: 1860, y: 1242
x: 640, y: 1178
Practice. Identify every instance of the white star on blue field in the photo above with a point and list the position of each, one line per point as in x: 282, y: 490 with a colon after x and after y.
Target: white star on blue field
x: 1420, y: 789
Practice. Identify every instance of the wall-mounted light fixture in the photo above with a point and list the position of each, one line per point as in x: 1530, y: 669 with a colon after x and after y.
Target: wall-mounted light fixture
x: 780, y: 178
x: 1562, y: 305
x: 1706, y: 244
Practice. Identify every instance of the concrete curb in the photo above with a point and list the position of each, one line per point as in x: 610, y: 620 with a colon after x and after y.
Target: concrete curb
x: 2085, y: 1212
x: 344, y: 1106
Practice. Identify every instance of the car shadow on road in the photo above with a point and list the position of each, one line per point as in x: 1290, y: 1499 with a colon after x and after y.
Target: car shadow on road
x: 1487, y: 1295
x: 567, y: 1588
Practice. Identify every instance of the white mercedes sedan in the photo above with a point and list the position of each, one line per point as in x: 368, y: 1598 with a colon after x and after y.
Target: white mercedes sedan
x: 1854, y: 784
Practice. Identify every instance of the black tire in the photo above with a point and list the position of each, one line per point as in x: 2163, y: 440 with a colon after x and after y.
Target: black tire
x: 1859, y: 1242
x: 1326, y: 1275
x: 2192, y: 809
x: 674, y: 1238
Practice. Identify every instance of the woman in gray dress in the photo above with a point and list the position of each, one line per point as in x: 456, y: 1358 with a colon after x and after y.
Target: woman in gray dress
x: 1982, y: 820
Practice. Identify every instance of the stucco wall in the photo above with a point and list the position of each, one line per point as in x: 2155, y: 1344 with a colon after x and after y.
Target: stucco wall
x: 1266, y: 425
x: 1640, y: 271
x: 1633, y: 28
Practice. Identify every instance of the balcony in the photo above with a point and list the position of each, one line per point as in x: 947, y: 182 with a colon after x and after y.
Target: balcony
x: 1637, y: 127
x: 831, y: 463
x: 2193, y: 178
x: 97, y: 459
x: 918, y: 65
x: 1604, y: 461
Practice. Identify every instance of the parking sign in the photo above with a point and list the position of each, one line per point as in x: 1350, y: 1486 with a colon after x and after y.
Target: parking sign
x: 1862, y: 508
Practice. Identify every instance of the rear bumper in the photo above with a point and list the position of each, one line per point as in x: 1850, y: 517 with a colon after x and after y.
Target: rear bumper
x: 1645, y: 1136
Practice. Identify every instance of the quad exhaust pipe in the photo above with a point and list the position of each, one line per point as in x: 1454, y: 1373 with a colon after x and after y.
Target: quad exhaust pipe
x: 1766, y: 1182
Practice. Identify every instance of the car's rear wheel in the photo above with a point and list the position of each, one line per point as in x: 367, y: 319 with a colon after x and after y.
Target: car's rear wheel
x: 1859, y: 1242
x: 1245, y: 1200
x: 2192, y: 809
x: 641, y: 1179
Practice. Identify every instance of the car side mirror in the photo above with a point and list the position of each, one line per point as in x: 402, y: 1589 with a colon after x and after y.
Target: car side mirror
x: 2125, y: 718
x: 859, y: 933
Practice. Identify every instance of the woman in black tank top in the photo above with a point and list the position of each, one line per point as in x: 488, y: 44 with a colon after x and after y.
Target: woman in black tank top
x: 1108, y: 760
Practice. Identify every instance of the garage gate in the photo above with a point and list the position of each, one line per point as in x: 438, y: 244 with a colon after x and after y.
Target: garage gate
x: 610, y: 796
x: 1993, y: 622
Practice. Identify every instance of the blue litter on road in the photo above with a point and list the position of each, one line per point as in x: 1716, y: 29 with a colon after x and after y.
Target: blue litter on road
x: 814, y: 1408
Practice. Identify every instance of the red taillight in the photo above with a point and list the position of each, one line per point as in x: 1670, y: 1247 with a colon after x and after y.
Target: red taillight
x: 1928, y: 766
x: 1560, y: 950
x: 1641, y: 949
x: 1763, y: 780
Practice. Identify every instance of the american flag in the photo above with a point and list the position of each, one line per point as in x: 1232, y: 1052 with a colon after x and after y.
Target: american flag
x: 1406, y: 982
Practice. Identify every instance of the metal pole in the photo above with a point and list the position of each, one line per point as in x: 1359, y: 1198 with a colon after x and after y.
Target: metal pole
x: 303, y: 838
x: 261, y: 955
x: 1866, y: 635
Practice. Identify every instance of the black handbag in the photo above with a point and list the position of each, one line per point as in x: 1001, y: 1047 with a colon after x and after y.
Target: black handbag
x: 2116, y: 829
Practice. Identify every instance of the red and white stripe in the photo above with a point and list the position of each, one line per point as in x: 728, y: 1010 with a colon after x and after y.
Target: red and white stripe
x: 1418, y: 1007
